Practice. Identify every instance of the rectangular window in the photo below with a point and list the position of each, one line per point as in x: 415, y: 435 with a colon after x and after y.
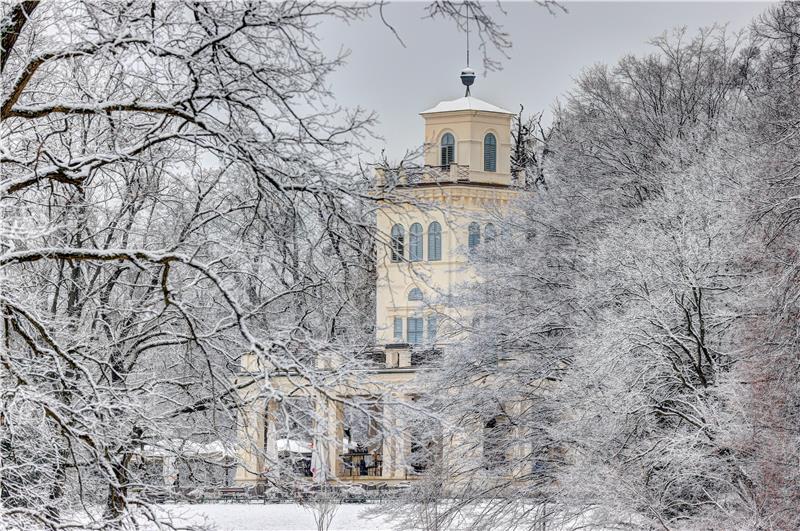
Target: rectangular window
x: 448, y: 156
x: 490, y: 157
x: 398, y: 328
x: 432, y: 326
x: 414, y: 330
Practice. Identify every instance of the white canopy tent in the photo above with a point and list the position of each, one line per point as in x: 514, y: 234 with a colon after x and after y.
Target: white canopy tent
x: 168, y: 450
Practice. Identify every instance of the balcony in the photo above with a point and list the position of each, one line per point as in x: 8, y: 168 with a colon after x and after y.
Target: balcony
x: 425, y: 175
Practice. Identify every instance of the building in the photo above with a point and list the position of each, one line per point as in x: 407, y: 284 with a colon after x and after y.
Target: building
x: 445, y: 211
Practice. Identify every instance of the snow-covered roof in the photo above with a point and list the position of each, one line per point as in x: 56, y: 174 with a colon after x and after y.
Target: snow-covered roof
x: 214, y: 450
x: 294, y: 446
x: 467, y: 103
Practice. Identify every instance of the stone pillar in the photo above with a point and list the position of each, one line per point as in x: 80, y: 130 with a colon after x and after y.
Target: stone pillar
x: 250, y: 428
x: 462, y: 450
x: 270, y: 468
x: 329, y: 433
x: 404, y: 357
x: 396, y: 442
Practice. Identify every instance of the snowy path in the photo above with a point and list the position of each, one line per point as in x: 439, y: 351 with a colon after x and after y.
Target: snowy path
x: 272, y: 517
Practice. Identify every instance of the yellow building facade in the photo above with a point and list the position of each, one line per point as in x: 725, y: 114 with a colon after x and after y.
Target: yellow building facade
x: 436, y: 215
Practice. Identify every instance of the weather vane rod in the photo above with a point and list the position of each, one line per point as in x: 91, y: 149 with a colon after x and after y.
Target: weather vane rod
x: 467, y: 3
x: 468, y: 74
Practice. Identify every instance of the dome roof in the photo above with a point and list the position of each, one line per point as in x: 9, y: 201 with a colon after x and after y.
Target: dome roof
x: 467, y: 103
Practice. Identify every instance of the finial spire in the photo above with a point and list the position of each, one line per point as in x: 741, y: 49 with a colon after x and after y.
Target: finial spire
x: 467, y: 78
x: 468, y: 74
x: 467, y: 4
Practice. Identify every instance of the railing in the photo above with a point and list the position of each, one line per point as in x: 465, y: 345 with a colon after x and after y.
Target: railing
x: 425, y: 356
x: 361, y: 464
x: 454, y: 173
x: 377, y: 356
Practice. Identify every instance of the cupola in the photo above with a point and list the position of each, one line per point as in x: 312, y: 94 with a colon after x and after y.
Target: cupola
x: 472, y: 134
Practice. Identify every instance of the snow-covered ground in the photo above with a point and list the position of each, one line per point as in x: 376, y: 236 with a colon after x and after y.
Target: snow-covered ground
x: 272, y: 517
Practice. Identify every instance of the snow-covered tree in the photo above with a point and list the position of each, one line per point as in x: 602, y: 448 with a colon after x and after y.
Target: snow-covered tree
x: 177, y: 192
x: 175, y: 195
x: 627, y: 323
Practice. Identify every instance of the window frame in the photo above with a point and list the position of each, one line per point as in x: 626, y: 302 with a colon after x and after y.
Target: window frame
x: 490, y: 163
x: 447, y: 152
x: 398, y: 330
x: 416, y: 246
x: 418, y: 330
x: 489, y: 232
x: 433, y: 327
x: 397, y: 242
x: 473, y: 236
x: 434, y: 241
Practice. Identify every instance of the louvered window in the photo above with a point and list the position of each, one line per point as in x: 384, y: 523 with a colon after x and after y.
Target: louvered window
x: 489, y: 232
x: 448, y: 150
x: 415, y: 242
x: 434, y: 241
x: 474, y: 233
x: 414, y: 327
x: 398, y: 328
x: 415, y: 294
x: 489, y: 153
x: 398, y: 242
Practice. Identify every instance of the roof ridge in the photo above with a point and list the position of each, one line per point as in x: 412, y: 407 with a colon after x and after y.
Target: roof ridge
x: 465, y: 103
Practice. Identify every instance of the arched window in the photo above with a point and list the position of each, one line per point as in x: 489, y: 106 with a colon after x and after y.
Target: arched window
x: 448, y: 150
x: 489, y: 153
x: 434, y: 241
x: 474, y: 236
x: 489, y: 232
x: 415, y: 294
x: 415, y: 242
x: 398, y: 242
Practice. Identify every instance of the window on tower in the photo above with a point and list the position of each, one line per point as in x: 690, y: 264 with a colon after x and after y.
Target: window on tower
x: 415, y: 242
x: 489, y: 232
x: 474, y: 233
x: 489, y: 153
x: 448, y: 150
x: 398, y: 242
x: 434, y: 241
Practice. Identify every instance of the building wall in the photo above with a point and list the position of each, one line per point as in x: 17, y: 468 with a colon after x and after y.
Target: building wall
x: 454, y: 206
x: 469, y: 129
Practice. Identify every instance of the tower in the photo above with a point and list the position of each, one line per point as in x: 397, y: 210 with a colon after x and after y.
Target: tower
x: 446, y: 211
x: 432, y: 218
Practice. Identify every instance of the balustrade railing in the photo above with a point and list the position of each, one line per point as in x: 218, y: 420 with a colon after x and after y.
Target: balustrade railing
x: 454, y: 173
x: 361, y: 464
x: 421, y: 356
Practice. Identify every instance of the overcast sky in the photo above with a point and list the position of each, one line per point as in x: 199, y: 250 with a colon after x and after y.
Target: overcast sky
x: 548, y: 53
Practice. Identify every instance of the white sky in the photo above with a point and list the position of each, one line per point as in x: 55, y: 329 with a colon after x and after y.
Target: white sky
x: 548, y: 53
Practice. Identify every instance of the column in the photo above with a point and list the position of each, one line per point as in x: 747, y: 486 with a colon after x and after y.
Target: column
x: 250, y: 428
x: 396, y: 442
x: 329, y: 433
